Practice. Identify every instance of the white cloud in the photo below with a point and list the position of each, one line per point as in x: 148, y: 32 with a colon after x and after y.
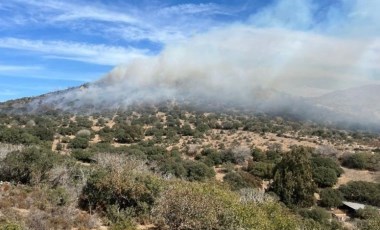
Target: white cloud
x: 288, y: 14
x: 84, y: 52
x: 203, y: 8
x: 153, y: 22
x: 18, y: 68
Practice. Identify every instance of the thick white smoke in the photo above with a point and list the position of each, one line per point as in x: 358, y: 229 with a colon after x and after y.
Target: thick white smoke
x: 283, y: 48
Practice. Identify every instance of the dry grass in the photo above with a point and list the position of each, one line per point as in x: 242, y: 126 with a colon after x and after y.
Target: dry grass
x: 357, y: 175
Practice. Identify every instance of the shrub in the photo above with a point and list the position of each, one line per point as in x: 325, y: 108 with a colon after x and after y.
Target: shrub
x: 368, y: 212
x: 317, y: 214
x: 82, y: 155
x: 186, y: 130
x: 362, y: 192
x: 261, y: 169
x: 121, y: 186
x: 84, y: 133
x: 369, y: 218
x: 195, y: 205
x: 29, y: 166
x: 258, y: 154
x: 129, y: 134
x: 173, y: 166
x: 330, y: 198
x: 239, y: 180
x: 362, y: 161
x: 10, y: 226
x: 79, y: 142
x: 327, y: 163
x: 43, y: 133
x: 198, y: 171
x: 324, y: 177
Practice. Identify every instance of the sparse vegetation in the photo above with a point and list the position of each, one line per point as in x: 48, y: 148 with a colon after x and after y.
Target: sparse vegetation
x: 220, y: 170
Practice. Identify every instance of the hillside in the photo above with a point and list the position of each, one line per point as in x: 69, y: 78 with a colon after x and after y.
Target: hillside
x: 133, y: 168
x: 361, y: 102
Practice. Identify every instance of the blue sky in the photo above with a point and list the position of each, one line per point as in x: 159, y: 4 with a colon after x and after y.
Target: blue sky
x: 47, y: 45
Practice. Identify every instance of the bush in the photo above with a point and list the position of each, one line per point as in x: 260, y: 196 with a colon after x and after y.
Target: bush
x: 82, y: 155
x: 324, y: 177
x: 198, y: 171
x: 123, y: 188
x: 261, y: 169
x: 362, y: 161
x: 368, y: 212
x: 10, y: 226
x: 362, y: 192
x: 129, y: 134
x: 331, y: 198
x: 79, y: 142
x: 327, y: 163
x: 173, y: 166
x: 319, y: 215
x: 258, y: 154
x: 369, y: 218
x: 239, y: 180
x: 43, y: 133
x: 195, y: 205
x: 29, y: 166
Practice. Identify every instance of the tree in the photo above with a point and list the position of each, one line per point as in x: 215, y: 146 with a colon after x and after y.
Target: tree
x: 293, y: 180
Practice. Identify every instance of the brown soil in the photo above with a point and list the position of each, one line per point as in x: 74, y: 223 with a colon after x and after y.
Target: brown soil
x: 356, y: 175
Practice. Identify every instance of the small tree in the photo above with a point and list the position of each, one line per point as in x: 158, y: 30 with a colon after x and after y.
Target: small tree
x: 293, y: 181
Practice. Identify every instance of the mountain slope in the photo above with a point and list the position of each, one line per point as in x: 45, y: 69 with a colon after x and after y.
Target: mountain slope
x: 362, y: 103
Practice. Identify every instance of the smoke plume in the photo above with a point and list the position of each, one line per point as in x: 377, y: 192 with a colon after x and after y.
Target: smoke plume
x: 288, y: 48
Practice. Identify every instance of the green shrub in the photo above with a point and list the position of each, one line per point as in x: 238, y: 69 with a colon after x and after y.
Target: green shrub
x: 10, y: 226
x: 330, y: 198
x: 326, y: 162
x: 362, y: 161
x: 258, y: 154
x: 198, y: 171
x: 126, y: 224
x: 324, y: 177
x: 82, y: 155
x: 319, y: 215
x: 129, y: 134
x: 368, y: 212
x: 362, y: 192
x: 126, y: 189
x: 195, y: 205
x: 239, y: 180
x: 29, y: 166
x: 261, y: 169
x: 79, y: 142
x: 173, y: 166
